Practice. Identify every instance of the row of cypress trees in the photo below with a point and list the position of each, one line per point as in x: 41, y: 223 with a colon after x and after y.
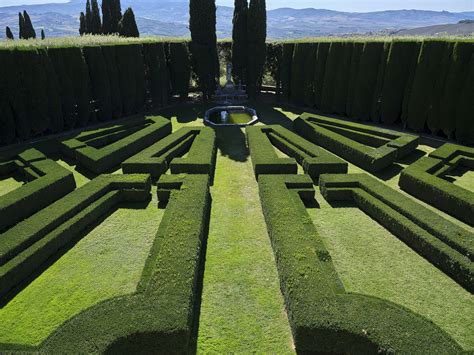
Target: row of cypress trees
x: 112, y: 21
x: 424, y: 86
x: 26, y: 29
x: 49, y: 90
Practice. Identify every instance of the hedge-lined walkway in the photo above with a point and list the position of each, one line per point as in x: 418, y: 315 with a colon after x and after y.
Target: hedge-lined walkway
x: 242, y: 307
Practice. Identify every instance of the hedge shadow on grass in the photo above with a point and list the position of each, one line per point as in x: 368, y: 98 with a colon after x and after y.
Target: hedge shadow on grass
x: 231, y: 142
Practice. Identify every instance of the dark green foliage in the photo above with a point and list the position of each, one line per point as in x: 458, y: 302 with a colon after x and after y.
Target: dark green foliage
x: 100, y: 83
x: 465, y: 108
x: 198, y: 143
x: 239, y: 40
x: 273, y: 64
x: 21, y: 26
x: 319, y: 72
x: 286, y: 66
x: 424, y: 180
x: 96, y: 24
x: 402, y: 55
x: 31, y: 242
x: 366, y: 80
x: 454, y: 96
x: 156, y: 73
x: 103, y: 158
x: 54, y: 182
x: 27, y: 31
x: 309, y: 66
x: 180, y: 69
x: 256, y: 50
x: 79, y: 74
x: 333, y: 69
x: 323, y: 316
x: 371, y: 148
x: 88, y: 17
x: 126, y: 58
x: 202, y: 24
x: 82, y: 24
x: 7, y: 119
x: 127, y: 27
x: 313, y: 159
x: 9, y: 33
x: 113, y: 74
x: 264, y: 158
x: 427, y: 79
x: 446, y: 245
x: 160, y: 314
x: 343, y: 77
x: 43, y: 36
x: 107, y: 17
x: 301, y: 51
x: 378, y: 98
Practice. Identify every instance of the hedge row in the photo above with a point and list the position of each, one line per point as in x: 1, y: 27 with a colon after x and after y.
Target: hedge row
x: 199, y: 143
x: 160, y: 315
x: 104, y: 149
x: 50, y: 182
x: 313, y: 159
x: 264, y: 157
x: 446, y: 245
x: 424, y: 180
x: 49, y: 90
x: 425, y: 85
x: 30, y: 243
x: 323, y: 317
x: 369, y: 147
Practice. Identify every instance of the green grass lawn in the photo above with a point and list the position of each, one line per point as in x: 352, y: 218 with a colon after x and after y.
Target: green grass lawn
x: 106, y: 263
x: 372, y: 261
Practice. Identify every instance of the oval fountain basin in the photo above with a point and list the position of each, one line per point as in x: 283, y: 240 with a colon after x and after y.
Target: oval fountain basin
x: 236, y: 116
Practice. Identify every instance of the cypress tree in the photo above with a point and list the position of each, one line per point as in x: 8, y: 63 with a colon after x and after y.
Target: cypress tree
x: 29, y: 31
x: 9, y: 33
x: 43, y: 36
x: 180, y: 69
x: 88, y: 17
x: 106, y: 17
x: 239, y: 40
x: 113, y: 74
x: 319, y: 71
x: 286, y: 65
x: 127, y: 26
x: 256, y: 37
x: 202, y: 24
x: 21, y: 25
x: 96, y: 24
x: 7, y: 119
x: 82, y: 24
x: 115, y: 15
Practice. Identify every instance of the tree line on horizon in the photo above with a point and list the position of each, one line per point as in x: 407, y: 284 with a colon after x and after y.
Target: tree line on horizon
x: 26, y: 29
x: 112, y: 21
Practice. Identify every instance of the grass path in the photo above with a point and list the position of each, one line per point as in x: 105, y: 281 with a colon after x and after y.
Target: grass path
x: 242, y: 308
x: 106, y: 263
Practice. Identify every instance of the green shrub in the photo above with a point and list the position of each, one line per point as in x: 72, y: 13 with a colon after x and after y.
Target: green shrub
x: 26, y: 246
x: 180, y: 69
x: 378, y: 98
x: 156, y: 73
x: 264, y: 157
x: 7, y: 119
x: 424, y: 181
x: 323, y: 317
x: 321, y: 58
x: 465, y: 108
x: 371, y: 148
x: 79, y: 74
x: 298, y: 72
x: 446, y: 245
x: 113, y: 74
x: 309, y: 67
x: 343, y: 79
x: 52, y: 183
x: 287, y: 59
x: 333, y: 66
x: 357, y: 48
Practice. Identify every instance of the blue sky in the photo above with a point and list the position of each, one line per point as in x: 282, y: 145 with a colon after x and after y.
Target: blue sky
x: 341, y: 5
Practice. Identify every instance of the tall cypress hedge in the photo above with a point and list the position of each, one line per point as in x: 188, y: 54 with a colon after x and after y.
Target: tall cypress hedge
x: 465, y: 108
x: 100, y: 82
x: 320, y: 67
x: 139, y: 66
x: 378, y: 95
x: 343, y: 79
x: 429, y: 65
x: 79, y: 74
x: 298, y: 72
x: 333, y: 67
x: 454, y: 85
x: 156, y: 73
x: 127, y: 81
x: 409, y: 87
x: 7, y: 120
x: 400, y: 58
x: 286, y: 65
x: 180, y: 69
x: 357, y: 48
x: 113, y: 74
x: 309, y: 67
x: 366, y: 79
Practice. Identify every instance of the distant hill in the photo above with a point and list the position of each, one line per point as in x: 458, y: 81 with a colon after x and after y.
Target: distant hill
x: 457, y: 29
x: 170, y: 18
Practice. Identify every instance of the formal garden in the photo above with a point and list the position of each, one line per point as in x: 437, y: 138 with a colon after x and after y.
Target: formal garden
x: 170, y: 196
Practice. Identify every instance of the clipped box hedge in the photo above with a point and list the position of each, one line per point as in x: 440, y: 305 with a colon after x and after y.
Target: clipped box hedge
x: 313, y: 159
x: 159, y: 316
x: 30, y: 243
x: 424, y: 180
x: 105, y: 149
x: 371, y: 148
x: 323, y: 317
x: 50, y: 181
x: 446, y: 245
